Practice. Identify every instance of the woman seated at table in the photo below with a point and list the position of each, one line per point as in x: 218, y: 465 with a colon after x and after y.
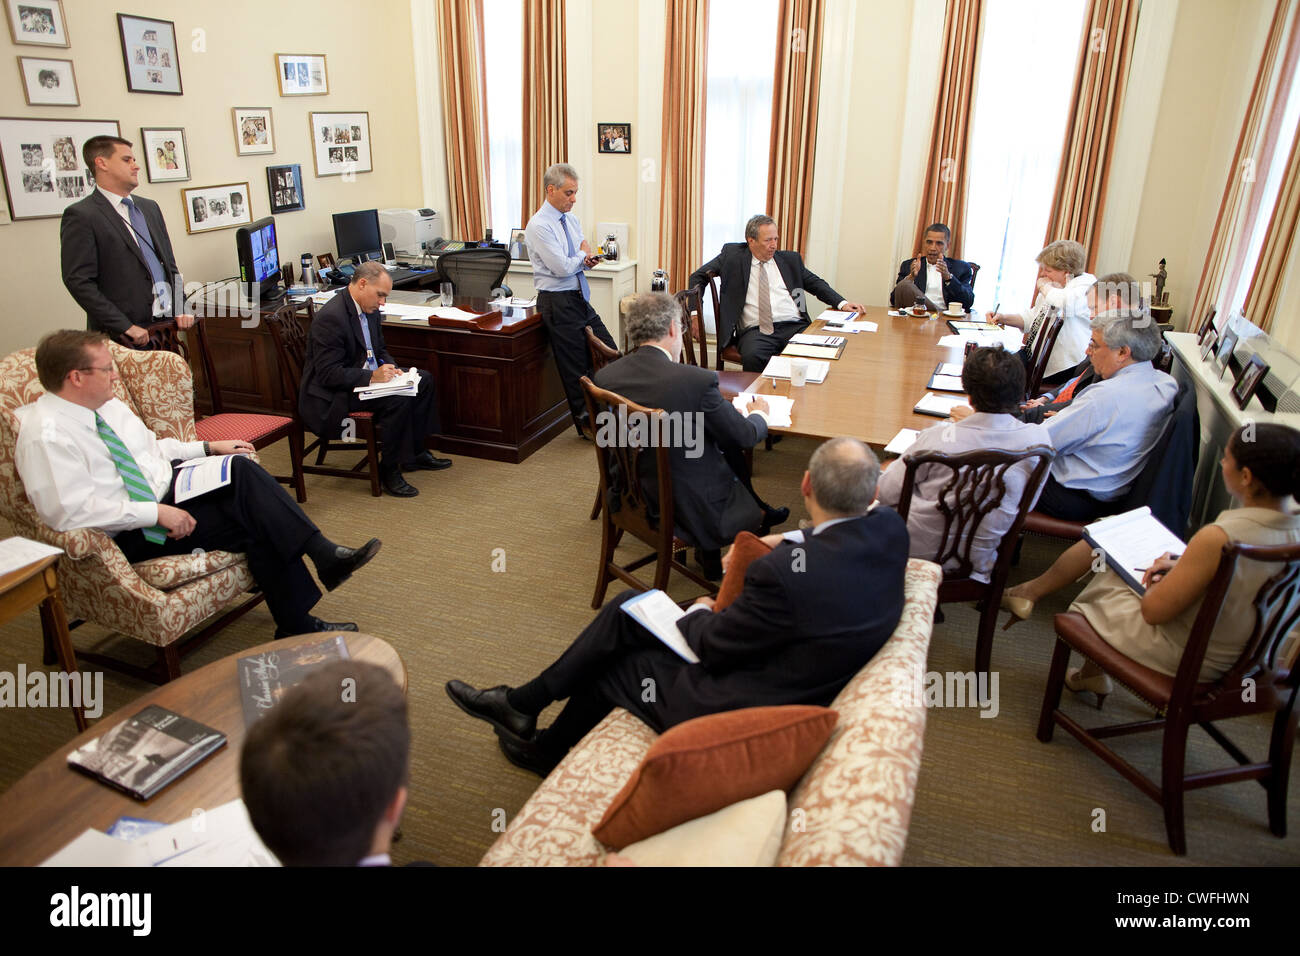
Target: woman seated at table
x: 1063, y: 283
x: 1264, y: 475
x: 995, y: 381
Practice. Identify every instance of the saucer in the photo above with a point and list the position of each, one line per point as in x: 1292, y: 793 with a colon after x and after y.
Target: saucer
x: 954, y: 315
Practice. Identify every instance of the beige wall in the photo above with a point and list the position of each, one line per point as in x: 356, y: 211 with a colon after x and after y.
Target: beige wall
x: 237, y: 69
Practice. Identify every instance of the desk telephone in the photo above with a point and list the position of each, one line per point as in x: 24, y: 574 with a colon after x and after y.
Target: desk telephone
x: 449, y: 245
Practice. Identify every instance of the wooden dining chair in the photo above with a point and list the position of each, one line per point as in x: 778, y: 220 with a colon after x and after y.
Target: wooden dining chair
x: 693, y: 340
x: 1262, y: 681
x: 1041, y: 351
x: 973, y: 491
x: 731, y: 353
x: 627, y: 508
x: 600, y: 355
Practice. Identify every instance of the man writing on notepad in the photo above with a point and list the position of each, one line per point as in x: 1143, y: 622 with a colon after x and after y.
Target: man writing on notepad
x: 797, y: 633
x: 763, y: 293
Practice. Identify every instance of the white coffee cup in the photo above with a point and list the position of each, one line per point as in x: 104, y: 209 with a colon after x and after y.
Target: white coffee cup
x: 798, y: 372
x: 955, y: 308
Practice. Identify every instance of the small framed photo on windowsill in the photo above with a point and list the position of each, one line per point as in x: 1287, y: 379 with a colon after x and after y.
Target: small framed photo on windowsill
x: 1207, y: 345
x: 1252, y: 373
x: 1223, y: 352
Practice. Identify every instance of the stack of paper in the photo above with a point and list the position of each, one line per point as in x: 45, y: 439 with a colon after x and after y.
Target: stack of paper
x: 404, y: 383
x: 902, y: 441
x: 947, y: 383
x: 778, y: 408
x: 453, y: 313
x: 831, y: 341
x: 779, y: 367
x: 17, y: 553
x: 1131, y: 542
x: 408, y: 313
x: 940, y: 406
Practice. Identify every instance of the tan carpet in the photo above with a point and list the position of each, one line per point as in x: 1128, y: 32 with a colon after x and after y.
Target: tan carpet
x: 989, y: 792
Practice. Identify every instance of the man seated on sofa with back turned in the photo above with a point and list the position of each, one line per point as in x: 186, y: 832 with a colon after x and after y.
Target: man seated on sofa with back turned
x: 933, y: 278
x: 87, y: 461
x: 800, y: 630
x: 324, y: 773
x: 762, y: 295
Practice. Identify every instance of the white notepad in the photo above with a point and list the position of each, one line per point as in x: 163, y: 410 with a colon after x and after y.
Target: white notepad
x: 778, y: 366
x: 778, y: 408
x: 940, y: 405
x: 902, y: 441
x: 1132, y: 541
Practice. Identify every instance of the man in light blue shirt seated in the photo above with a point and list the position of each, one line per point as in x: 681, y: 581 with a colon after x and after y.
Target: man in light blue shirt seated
x: 559, y: 255
x: 1104, y: 438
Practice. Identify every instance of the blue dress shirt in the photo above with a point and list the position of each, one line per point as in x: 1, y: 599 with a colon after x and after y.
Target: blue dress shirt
x: 549, y: 242
x: 1103, y: 438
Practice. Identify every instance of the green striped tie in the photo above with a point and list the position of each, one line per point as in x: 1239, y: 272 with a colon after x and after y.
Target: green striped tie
x: 132, y: 477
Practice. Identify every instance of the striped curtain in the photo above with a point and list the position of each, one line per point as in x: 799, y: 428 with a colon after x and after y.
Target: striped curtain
x: 681, y: 198
x: 1099, y: 86
x: 794, y: 118
x: 944, y: 199
x: 1263, y: 299
x: 546, y: 129
x: 464, y: 115
x: 1223, y: 260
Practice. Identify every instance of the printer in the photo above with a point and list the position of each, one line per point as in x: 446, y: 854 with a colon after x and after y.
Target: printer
x: 406, y: 229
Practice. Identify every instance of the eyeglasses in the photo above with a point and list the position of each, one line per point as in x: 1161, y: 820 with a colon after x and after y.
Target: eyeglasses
x: 95, y: 368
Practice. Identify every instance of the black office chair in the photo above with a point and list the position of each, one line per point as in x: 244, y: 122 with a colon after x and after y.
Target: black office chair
x: 475, y: 272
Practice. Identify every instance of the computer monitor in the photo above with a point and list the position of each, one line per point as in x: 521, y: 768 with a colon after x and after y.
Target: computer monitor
x: 357, y: 234
x: 259, y: 257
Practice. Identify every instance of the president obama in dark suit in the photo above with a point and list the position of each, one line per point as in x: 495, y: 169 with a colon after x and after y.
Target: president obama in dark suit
x: 812, y: 613
x: 345, y: 350
x: 117, y: 257
x: 759, y: 324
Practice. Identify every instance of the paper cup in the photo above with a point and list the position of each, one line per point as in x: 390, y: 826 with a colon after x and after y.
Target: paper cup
x: 798, y: 372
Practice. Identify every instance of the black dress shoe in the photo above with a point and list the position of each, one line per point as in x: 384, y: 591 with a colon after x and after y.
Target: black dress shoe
x: 710, y: 562
x: 773, y: 517
x: 396, y: 485
x: 491, y: 705
x: 315, y: 624
x: 346, y: 561
x: 527, y: 755
x: 427, y: 462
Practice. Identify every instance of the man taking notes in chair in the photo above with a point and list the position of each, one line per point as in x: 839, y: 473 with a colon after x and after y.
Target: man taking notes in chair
x: 763, y: 292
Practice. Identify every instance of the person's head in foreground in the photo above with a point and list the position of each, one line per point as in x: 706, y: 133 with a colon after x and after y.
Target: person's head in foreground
x: 994, y: 379
x: 841, y: 480
x: 324, y: 773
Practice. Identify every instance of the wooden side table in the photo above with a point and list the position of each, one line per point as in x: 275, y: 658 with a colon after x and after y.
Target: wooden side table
x: 38, y: 584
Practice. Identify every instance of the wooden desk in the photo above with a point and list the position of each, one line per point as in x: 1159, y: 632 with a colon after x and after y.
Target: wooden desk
x: 499, y: 395
x: 873, y: 386
x: 37, y: 584
x: 53, y: 804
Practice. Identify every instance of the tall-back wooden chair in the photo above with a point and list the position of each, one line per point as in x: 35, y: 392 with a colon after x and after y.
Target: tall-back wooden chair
x: 975, y: 488
x: 626, y: 506
x: 1263, y: 680
x: 599, y: 353
x: 731, y: 353
x: 693, y: 342
x: 291, y: 349
x: 1040, y: 350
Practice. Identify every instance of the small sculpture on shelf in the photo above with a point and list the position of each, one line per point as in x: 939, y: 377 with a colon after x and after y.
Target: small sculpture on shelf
x: 1161, y: 298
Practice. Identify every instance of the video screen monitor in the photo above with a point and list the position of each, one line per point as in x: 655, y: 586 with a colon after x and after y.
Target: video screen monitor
x: 357, y: 234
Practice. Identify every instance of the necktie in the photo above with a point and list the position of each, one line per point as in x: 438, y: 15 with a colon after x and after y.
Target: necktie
x: 144, y: 242
x: 1067, y: 393
x: 568, y: 237
x: 764, y: 301
x: 370, y: 349
x: 137, y: 486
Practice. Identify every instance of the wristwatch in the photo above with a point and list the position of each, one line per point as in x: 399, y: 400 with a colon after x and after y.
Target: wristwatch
x: 207, y: 449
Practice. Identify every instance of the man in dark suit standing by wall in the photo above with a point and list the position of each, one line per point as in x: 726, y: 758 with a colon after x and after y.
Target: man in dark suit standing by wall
x: 713, y: 499
x: 932, y: 277
x: 797, y: 634
x: 762, y: 295
x: 117, y: 257
x: 345, y: 350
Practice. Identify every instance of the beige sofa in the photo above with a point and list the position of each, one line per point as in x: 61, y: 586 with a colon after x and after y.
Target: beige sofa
x: 851, y: 808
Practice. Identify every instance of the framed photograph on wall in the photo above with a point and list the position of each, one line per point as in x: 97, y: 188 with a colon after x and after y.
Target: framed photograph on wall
x: 340, y: 142
x: 253, y: 131
x: 614, y: 137
x: 149, y: 55
x: 38, y: 22
x: 48, y: 82
x: 208, y: 208
x: 284, y: 186
x: 42, y: 165
x: 166, y: 157
x: 301, y: 74
x: 1252, y: 373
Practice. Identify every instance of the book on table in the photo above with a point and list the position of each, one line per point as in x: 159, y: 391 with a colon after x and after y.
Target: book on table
x: 1131, y: 542
x: 263, y: 678
x: 146, y: 752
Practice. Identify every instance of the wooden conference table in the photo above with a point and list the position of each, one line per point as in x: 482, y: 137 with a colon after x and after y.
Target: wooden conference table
x: 872, y: 387
x: 53, y: 804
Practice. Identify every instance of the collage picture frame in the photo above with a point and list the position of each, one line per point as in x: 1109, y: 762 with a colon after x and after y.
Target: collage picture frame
x: 340, y: 143
x: 209, y: 208
x: 42, y: 165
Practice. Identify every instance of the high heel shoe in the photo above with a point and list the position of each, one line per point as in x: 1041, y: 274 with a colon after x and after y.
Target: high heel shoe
x: 1098, y: 684
x: 1021, y: 609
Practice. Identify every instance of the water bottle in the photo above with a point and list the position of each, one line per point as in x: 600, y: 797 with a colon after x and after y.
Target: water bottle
x: 306, y: 269
x: 611, y: 248
x: 659, y: 281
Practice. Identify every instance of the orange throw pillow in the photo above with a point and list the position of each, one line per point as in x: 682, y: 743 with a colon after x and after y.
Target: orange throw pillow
x: 745, y: 550
x: 708, y: 763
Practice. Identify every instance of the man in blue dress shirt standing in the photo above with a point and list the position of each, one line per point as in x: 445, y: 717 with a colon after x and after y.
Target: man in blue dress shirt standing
x: 559, y: 255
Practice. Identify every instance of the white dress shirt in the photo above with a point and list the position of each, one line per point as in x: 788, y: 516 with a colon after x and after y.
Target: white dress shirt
x: 554, y: 270
x: 115, y: 201
x: 784, y: 308
x: 69, y: 473
x: 934, y: 285
x: 1072, y: 344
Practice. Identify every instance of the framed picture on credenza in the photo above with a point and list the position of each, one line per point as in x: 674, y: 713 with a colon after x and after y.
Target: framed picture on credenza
x: 1252, y: 373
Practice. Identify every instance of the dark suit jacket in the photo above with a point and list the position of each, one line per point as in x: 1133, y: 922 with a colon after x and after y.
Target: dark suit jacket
x: 1038, y: 414
x: 956, y: 289
x: 103, y: 266
x: 797, y: 634
x: 733, y: 265
x: 710, y: 505
x: 335, y: 363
